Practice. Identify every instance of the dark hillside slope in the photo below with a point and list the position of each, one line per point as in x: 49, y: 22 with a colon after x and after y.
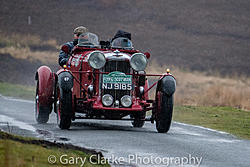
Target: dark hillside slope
x: 19, y: 71
x: 205, y: 35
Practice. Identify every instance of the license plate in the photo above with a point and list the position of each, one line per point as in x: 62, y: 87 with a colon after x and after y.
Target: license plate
x: 117, y: 80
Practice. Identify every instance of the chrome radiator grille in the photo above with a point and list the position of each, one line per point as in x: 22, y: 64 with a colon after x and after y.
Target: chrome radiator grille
x: 121, y: 66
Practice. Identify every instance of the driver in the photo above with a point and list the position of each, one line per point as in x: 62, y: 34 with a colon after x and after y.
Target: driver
x: 67, y: 47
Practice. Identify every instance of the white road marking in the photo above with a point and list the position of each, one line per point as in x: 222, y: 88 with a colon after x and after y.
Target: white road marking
x: 14, y: 99
x: 12, y: 122
x: 200, y: 127
x: 186, y: 132
x: 189, y: 132
x: 222, y: 140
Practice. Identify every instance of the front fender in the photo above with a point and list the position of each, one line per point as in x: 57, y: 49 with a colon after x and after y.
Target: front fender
x: 65, y: 80
x: 45, y: 79
x: 167, y: 85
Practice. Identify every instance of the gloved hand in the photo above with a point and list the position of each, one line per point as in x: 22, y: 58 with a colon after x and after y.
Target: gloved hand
x: 63, y: 61
x: 75, y: 42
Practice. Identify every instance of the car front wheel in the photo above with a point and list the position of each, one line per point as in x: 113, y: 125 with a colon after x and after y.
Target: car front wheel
x: 63, y: 108
x: 138, y: 121
x: 164, y: 112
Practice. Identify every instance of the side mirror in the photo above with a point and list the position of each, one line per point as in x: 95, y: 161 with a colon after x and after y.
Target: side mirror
x: 147, y: 54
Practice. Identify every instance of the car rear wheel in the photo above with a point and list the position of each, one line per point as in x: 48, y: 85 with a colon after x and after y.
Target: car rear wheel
x: 164, y: 112
x: 63, y: 108
x: 138, y: 121
x: 41, y: 112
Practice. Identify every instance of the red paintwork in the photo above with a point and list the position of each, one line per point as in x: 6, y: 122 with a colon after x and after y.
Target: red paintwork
x: 136, y: 106
x: 65, y: 48
x: 61, y: 70
x: 135, y: 74
x: 147, y: 54
x: 46, y: 82
x: 146, y: 88
x: 84, y: 76
x: 77, y: 50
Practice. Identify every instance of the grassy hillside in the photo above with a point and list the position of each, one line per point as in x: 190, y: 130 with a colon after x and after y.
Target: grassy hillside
x: 22, y: 55
x: 198, y: 35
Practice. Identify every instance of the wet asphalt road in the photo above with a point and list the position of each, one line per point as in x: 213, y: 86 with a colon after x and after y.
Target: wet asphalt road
x: 183, y: 145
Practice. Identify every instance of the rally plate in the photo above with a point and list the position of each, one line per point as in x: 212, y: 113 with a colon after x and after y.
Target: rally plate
x: 117, y: 80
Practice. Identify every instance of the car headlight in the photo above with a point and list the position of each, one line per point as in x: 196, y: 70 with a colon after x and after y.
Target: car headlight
x: 96, y: 60
x: 138, y: 62
x: 107, y: 100
x: 126, y: 101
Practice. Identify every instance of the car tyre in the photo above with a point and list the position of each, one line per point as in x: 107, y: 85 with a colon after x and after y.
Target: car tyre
x: 164, y: 112
x: 41, y: 112
x: 138, y: 122
x: 63, y: 106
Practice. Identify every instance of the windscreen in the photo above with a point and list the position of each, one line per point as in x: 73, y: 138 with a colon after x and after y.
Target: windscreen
x: 122, y: 43
x: 88, y: 40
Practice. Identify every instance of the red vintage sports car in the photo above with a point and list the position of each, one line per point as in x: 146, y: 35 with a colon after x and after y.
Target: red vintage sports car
x: 104, y: 80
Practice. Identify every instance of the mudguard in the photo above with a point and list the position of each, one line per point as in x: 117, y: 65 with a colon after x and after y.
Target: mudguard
x: 45, y: 79
x: 167, y: 85
x: 65, y: 80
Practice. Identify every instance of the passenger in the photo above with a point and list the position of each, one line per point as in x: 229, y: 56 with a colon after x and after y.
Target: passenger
x: 67, y: 47
x: 121, y: 33
x: 121, y: 39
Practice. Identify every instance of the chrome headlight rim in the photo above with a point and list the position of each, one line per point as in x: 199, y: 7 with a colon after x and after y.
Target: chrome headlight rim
x: 142, y: 66
x: 123, y: 98
x: 101, y: 57
x: 105, y: 102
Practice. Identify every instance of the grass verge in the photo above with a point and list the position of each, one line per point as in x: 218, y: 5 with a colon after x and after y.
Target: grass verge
x: 20, y: 91
x: 22, y: 152
x: 227, y: 119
